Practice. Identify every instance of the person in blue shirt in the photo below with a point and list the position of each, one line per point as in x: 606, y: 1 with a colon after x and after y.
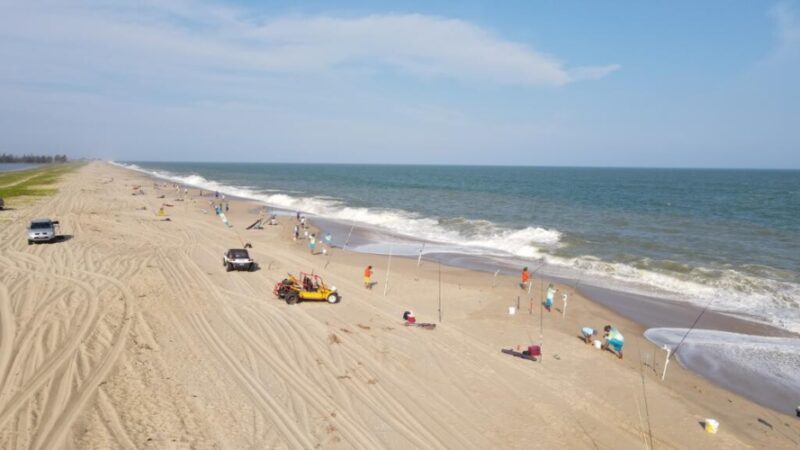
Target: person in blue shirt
x: 614, y: 340
x: 551, y: 293
x: 588, y: 334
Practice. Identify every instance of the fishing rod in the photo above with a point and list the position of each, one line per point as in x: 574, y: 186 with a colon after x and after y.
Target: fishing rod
x: 696, y: 320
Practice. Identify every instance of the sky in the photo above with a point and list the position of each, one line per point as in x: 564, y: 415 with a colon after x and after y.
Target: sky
x: 625, y: 83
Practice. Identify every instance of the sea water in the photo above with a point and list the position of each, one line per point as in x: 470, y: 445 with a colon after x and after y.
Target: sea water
x: 764, y: 369
x: 725, y: 238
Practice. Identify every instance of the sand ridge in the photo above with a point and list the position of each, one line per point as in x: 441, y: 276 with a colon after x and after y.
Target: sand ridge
x: 130, y: 334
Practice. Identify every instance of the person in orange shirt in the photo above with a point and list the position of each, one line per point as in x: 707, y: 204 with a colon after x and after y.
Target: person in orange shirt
x: 368, y: 277
x: 525, y: 278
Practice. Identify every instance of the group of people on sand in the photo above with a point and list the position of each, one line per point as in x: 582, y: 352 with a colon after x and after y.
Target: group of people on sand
x: 326, y: 240
x: 550, y: 294
x: 614, y: 340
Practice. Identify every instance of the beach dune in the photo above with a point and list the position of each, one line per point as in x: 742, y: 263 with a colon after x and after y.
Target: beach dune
x: 129, y: 333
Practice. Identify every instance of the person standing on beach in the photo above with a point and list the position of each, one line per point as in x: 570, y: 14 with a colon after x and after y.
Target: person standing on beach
x: 525, y: 277
x: 296, y: 232
x: 303, y: 222
x: 614, y: 340
x: 298, y: 216
x: 368, y: 277
x: 312, y: 243
x: 551, y: 293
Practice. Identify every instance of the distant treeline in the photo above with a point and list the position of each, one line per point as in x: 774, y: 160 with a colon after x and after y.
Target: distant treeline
x: 32, y: 159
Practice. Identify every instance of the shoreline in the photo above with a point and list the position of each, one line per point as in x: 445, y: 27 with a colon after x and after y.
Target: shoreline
x: 172, y: 350
x: 644, y: 311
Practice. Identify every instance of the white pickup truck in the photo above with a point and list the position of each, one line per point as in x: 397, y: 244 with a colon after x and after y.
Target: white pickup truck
x: 238, y: 259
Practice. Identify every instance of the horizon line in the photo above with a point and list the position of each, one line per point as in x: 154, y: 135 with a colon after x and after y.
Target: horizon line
x: 543, y: 166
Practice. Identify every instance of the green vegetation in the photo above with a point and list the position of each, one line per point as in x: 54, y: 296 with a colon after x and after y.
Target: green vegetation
x: 33, y: 182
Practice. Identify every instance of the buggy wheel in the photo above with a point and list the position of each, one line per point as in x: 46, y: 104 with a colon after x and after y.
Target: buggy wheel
x: 334, y: 298
x: 291, y: 297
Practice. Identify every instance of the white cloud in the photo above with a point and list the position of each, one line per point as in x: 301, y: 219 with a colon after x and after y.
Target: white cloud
x: 199, y: 36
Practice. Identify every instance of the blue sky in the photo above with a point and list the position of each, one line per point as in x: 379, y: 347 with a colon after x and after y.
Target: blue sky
x: 664, y: 84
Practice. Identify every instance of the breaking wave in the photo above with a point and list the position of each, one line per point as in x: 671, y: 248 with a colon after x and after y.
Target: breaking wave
x: 756, y: 297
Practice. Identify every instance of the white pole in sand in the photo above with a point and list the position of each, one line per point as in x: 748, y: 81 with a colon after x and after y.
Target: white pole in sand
x: 388, y: 269
x: 347, y: 241
x: 666, y: 362
x: 564, y: 297
x: 419, y: 258
x: 494, y: 279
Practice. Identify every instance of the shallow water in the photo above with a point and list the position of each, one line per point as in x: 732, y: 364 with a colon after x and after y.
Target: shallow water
x: 763, y: 369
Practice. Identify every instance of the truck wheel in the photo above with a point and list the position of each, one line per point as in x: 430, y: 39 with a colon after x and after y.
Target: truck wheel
x: 334, y: 298
x: 251, y: 267
x: 229, y: 267
x: 291, y: 298
x: 30, y: 242
x: 224, y: 263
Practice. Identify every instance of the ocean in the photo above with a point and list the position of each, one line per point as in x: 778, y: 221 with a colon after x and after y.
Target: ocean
x: 725, y: 238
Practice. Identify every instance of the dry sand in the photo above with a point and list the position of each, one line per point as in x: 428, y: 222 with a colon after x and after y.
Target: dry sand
x: 130, y: 334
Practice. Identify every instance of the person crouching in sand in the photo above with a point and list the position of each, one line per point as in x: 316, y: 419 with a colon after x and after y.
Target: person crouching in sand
x: 368, y: 277
x: 614, y: 340
x: 588, y: 334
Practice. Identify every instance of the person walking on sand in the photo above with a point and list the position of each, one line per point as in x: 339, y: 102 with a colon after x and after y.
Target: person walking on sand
x: 551, y: 293
x: 296, y: 232
x: 298, y: 216
x: 614, y: 340
x: 312, y: 243
x: 526, y: 276
x: 368, y: 277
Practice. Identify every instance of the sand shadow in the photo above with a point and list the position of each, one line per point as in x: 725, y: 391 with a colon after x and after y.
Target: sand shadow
x: 371, y: 285
x: 63, y: 238
x: 7, y: 209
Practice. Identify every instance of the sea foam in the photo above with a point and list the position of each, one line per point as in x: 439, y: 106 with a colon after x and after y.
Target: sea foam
x: 754, y: 298
x: 766, y: 369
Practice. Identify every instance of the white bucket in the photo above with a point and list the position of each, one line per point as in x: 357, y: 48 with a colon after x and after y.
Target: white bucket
x: 711, y: 426
x: 597, y: 344
x: 512, y: 310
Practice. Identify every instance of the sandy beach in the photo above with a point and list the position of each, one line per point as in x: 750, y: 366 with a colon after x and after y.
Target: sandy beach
x: 129, y: 333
